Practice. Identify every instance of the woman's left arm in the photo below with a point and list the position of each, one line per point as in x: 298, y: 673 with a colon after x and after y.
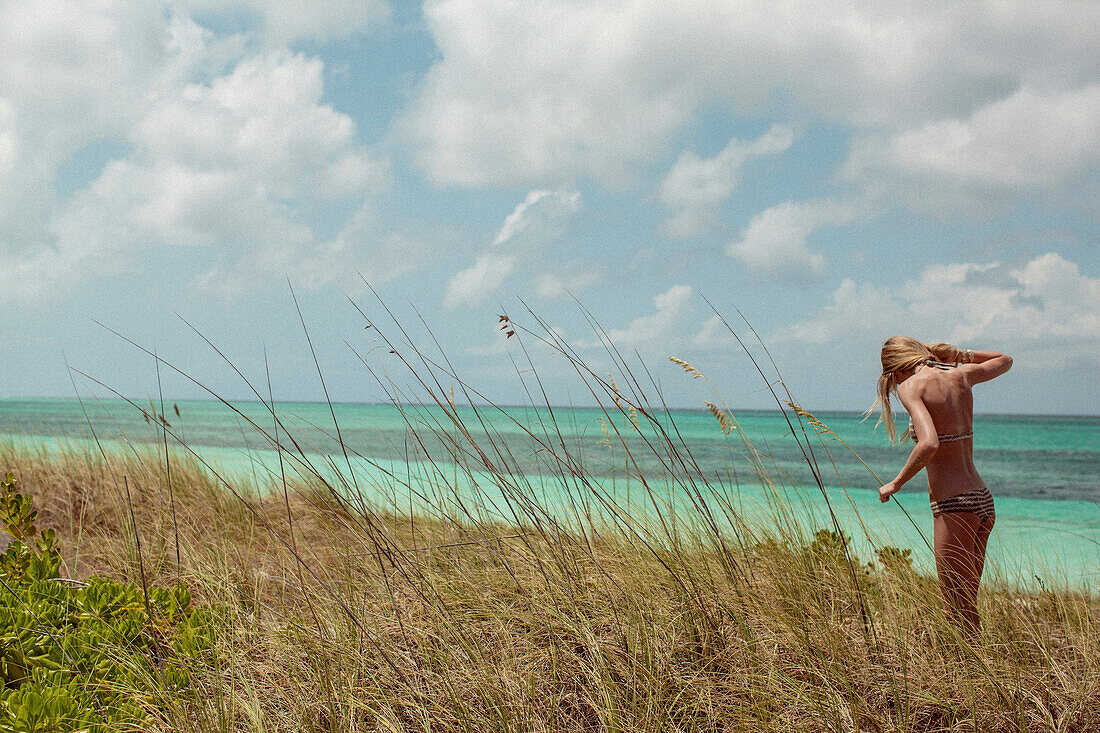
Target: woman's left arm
x: 927, y: 443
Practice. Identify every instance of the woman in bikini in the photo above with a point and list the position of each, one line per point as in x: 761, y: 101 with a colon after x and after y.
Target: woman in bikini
x: 933, y: 383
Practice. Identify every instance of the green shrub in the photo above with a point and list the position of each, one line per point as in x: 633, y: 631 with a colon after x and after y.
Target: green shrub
x: 896, y: 560
x: 95, y: 656
x: 828, y: 544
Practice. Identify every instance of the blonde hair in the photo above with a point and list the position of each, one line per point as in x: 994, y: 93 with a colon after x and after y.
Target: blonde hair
x: 899, y: 354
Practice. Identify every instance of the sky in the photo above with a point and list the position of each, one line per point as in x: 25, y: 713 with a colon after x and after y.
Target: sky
x: 834, y: 172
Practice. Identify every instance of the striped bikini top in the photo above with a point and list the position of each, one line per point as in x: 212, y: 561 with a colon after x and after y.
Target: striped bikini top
x: 949, y: 438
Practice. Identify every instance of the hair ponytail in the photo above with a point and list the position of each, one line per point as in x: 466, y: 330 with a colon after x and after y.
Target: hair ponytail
x: 883, y: 388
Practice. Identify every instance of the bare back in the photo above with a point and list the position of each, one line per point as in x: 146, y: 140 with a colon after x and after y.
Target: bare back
x: 946, y: 394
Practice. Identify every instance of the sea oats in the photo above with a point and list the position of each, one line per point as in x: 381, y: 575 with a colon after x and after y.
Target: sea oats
x: 721, y: 416
x: 695, y: 373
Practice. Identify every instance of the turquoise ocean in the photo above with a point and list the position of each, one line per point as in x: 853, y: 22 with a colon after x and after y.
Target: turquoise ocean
x: 1044, y: 471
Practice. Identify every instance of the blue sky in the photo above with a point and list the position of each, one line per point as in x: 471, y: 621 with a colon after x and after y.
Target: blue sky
x: 839, y: 172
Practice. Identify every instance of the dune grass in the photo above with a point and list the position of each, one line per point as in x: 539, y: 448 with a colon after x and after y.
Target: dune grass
x: 350, y: 614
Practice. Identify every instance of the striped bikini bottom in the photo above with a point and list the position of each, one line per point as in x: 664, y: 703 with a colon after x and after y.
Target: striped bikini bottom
x: 976, y: 501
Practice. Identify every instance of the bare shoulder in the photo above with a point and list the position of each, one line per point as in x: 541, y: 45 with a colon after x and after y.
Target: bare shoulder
x: 911, y: 390
x: 959, y: 375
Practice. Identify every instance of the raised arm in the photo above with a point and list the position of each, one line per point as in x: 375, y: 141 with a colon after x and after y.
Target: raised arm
x: 986, y: 365
x: 927, y: 442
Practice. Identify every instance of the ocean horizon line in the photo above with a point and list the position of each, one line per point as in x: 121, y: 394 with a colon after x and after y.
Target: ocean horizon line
x: 486, y: 404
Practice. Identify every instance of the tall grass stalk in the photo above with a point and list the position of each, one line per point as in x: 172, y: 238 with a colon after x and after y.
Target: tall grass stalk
x: 503, y: 584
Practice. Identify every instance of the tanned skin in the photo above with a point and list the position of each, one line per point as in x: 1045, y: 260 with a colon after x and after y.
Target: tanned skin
x: 940, y: 401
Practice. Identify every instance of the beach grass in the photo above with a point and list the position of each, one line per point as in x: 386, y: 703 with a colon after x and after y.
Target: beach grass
x: 347, y: 613
x: 424, y: 624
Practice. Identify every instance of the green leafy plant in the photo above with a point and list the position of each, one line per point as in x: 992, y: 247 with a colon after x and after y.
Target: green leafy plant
x: 828, y: 544
x: 95, y: 656
x: 895, y: 559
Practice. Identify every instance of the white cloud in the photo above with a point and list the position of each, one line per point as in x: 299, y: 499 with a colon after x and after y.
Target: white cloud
x: 775, y: 239
x: 231, y: 165
x: 539, y: 215
x: 71, y: 72
x: 1060, y: 302
x: 713, y: 333
x: 74, y: 69
x: 550, y: 90
x: 1047, y: 308
x: 661, y: 327
x: 226, y: 157
x: 694, y: 188
x: 1031, y: 138
x: 532, y: 226
x: 851, y: 306
x: 124, y: 76
x: 472, y: 285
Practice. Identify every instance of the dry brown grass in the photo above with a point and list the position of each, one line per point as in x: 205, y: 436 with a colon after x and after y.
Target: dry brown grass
x: 348, y: 616
x: 424, y: 624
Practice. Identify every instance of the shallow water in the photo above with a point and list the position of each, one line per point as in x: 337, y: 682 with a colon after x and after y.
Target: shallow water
x: 1043, y: 471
